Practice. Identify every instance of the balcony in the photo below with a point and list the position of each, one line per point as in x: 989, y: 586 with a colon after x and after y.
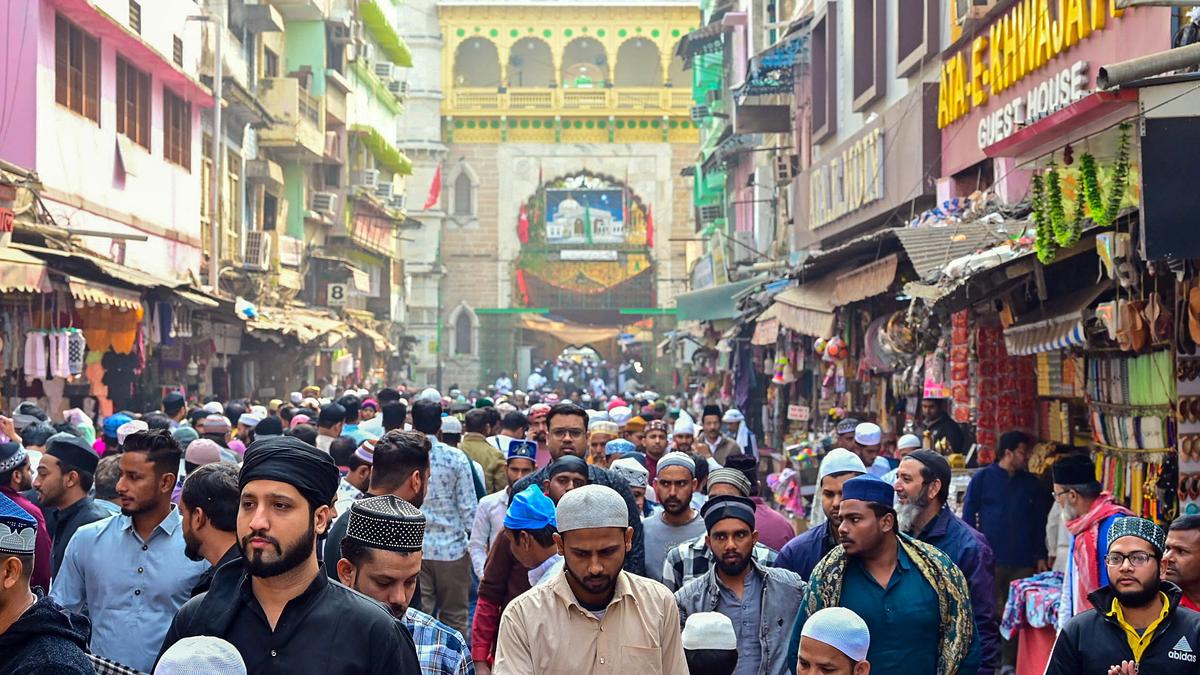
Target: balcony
x: 618, y: 102
x: 303, y: 10
x: 299, y: 134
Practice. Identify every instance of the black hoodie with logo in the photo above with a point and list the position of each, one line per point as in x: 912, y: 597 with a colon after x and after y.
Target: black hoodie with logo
x: 1092, y: 641
x: 46, y: 639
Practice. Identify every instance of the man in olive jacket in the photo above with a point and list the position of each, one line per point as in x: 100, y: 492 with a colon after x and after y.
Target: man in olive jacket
x: 1137, y: 624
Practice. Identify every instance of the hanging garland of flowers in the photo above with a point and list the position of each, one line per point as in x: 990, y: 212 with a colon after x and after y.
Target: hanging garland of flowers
x: 1089, y: 183
x: 1054, y: 207
x: 1043, y: 241
x: 1104, y: 208
x: 1120, y: 175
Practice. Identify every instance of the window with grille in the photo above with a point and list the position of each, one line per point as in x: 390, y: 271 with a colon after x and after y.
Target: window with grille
x: 135, y: 17
x: 133, y: 103
x: 177, y: 50
x: 76, y: 69
x: 177, y: 130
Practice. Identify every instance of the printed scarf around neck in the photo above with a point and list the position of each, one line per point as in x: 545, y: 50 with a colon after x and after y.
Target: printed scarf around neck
x: 954, y: 600
x: 1085, y: 553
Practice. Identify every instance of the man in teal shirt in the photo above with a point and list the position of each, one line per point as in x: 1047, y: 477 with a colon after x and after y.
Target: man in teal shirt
x: 913, y: 598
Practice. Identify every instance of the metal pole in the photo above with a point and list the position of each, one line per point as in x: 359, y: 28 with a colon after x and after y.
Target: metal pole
x: 1116, y: 74
x: 214, y: 225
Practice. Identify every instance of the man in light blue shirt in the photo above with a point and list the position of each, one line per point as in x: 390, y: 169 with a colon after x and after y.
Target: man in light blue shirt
x: 129, y: 572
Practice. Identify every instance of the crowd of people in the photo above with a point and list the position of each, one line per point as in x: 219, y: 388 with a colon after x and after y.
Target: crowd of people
x: 517, y: 533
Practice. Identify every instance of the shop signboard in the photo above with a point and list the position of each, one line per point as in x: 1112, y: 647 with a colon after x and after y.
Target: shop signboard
x: 797, y: 413
x: 1029, y: 61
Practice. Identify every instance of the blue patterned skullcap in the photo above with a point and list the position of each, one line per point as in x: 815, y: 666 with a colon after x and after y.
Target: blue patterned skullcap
x: 12, y: 455
x: 518, y: 449
x: 618, y: 446
x: 1132, y: 526
x: 18, y: 529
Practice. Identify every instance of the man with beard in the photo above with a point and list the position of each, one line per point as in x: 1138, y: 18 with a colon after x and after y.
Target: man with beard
x: 489, y: 517
x: 922, y: 490
x: 399, y: 467
x: 678, y: 521
x: 1136, y: 624
x: 130, y: 570
x: 279, y: 609
x: 16, y: 477
x: 716, y: 444
x: 600, y: 432
x: 802, y: 553
x: 760, y: 601
x: 381, y: 558
x: 36, y: 635
x: 64, y: 478
x: 595, y: 617
x: 1090, y: 513
x: 683, y: 434
x: 913, y: 598
x: 209, y: 506
x: 1181, y: 559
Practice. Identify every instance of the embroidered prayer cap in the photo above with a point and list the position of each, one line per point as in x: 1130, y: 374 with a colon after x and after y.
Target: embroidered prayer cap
x: 839, y: 460
x: 519, y: 449
x: 908, y: 442
x: 846, y: 426
x: 728, y: 476
x: 676, y: 459
x: 658, y: 425
x: 709, y: 630
x: 259, y: 411
x: 841, y: 629
x: 868, y: 488
x: 618, y: 446
x: 202, y: 451
x: 366, y: 451
x: 484, y: 402
x: 295, y: 398
x: 530, y: 509
x: 1132, y: 526
x: 719, y: 508
x: 387, y: 522
x: 12, y: 455
x: 616, y: 402
x: 868, y: 433
x: 733, y: 415
x: 201, y: 654
x: 633, y: 471
x: 451, y: 425
x: 592, y: 506
x: 73, y: 451
x: 603, y: 427
x: 1074, y: 470
x: 297, y: 420
x: 217, y: 424
x: 18, y: 529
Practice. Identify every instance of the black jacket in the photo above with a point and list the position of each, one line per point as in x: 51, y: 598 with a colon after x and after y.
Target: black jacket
x: 326, y: 629
x: 48, y: 640
x: 62, y: 525
x: 1093, y: 641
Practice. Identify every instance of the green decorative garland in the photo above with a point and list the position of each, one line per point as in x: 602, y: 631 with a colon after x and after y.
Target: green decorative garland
x: 1054, y: 207
x: 1089, y: 182
x: 1043, y: 241
x: 1104, y: 208
x: 1116, y: 193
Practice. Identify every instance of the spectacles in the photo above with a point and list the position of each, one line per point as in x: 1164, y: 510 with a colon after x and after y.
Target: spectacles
x: 566, y: 433
x: 1136, y: 559
x: 1060, y: 494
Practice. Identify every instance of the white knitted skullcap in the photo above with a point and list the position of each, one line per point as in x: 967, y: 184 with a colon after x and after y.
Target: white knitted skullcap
x: 841, y: 629
x: 908, y: 442
x: 592, y: 506
x: 709, y: 630
x: 201, y: 655
x: 868, y: 433
x: 129, y: 428
x: 839, y: 460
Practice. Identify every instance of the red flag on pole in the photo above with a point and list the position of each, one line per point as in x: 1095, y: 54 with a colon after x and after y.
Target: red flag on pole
x: 523, y: 225
x: 649, y: 228
x: 435, y: 190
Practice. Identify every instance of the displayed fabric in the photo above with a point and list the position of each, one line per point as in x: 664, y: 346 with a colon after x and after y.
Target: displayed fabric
x: 58, y: 355
x: 1032, y: 602
x: 35, y: 356
x: 76, y: 352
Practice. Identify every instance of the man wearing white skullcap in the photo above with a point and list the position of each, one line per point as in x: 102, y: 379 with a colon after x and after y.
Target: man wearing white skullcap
x: 595, y: 616
x: 201, y: 654
x: 904, y: 447
x: 710, y: 644
x: 868, y: 439
x: 683, y: 434
x: 834, y: 641
x: 125, y: 430
x: 802, y: 553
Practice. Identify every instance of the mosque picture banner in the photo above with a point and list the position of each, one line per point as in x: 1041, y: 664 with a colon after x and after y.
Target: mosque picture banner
x: 585, y: 216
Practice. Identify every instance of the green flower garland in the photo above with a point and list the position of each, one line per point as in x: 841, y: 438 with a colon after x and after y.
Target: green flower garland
x: 1089, y: 182
x: 1043, y: 241
x: 1055, y: 209
x: 1116, y: 193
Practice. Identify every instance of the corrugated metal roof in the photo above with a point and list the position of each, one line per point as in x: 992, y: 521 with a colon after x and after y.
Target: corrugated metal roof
x: 930, y: 248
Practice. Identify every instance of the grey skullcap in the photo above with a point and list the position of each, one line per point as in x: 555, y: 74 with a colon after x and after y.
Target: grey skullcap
x: 676, y: 459
x: 387, y: 522
x: 201, y: 654
x: 592, y: 506
x: 732, y: 477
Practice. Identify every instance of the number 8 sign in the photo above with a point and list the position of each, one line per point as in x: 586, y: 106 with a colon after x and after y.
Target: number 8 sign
x: 335, y: 295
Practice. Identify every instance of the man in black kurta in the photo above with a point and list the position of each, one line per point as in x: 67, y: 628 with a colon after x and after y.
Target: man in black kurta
x: 325, y: 628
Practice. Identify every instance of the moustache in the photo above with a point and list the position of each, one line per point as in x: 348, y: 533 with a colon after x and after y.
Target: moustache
x: 262, y: 535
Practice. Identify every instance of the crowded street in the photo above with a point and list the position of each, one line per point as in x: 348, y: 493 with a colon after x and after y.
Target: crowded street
x: 613, y: 337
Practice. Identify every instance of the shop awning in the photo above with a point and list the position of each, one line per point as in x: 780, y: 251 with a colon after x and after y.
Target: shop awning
x: 1056, y: 325
x: 807, y: 309
x: 103, y: 294
x: 866, y: 281
x: 931, y: 248
x: 570, y: 333
x: 196, y: 298
x: 381, y: 344
x: 705, y: 40
x: 712, y: 304
x: 22, y: 273
x: 306, y: 325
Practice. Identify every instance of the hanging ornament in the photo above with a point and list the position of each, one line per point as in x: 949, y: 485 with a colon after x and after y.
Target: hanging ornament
x: 1043, y: 241
x: 1116, y: 192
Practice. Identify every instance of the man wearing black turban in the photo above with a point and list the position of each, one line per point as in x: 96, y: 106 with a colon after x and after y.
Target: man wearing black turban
x: 277, y: 606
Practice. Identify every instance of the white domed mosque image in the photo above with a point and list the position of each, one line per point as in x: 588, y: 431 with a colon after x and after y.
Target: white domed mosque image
x: 599, y: 219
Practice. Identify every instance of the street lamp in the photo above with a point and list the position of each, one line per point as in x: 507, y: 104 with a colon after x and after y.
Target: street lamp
x: 214, y: 194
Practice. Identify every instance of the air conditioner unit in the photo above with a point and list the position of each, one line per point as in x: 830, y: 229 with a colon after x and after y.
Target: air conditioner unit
x: 323, y: 202
x: 384, y: 70
x: 350, y: 52
x: 398, y: 88
x: 398, y: 202
x: 786, y: 167
x: 367, y: 52
x: 368, y: 179
x: 341, y: 30
x: 711, y: 214
x: 258, y: 251
x: 699, y: 113
x: 384, y: 191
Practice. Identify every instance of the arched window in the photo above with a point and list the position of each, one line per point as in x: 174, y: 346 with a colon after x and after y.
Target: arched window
x: 638, y: 64
x: 678, y: 76
x: 463, y: 195
x: 462, y: 333
x: 530, y: 64
x: 585, y: 64
x: 477, y: 64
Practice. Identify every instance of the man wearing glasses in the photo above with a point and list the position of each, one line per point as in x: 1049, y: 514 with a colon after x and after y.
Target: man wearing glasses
x: 1137, y: 623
